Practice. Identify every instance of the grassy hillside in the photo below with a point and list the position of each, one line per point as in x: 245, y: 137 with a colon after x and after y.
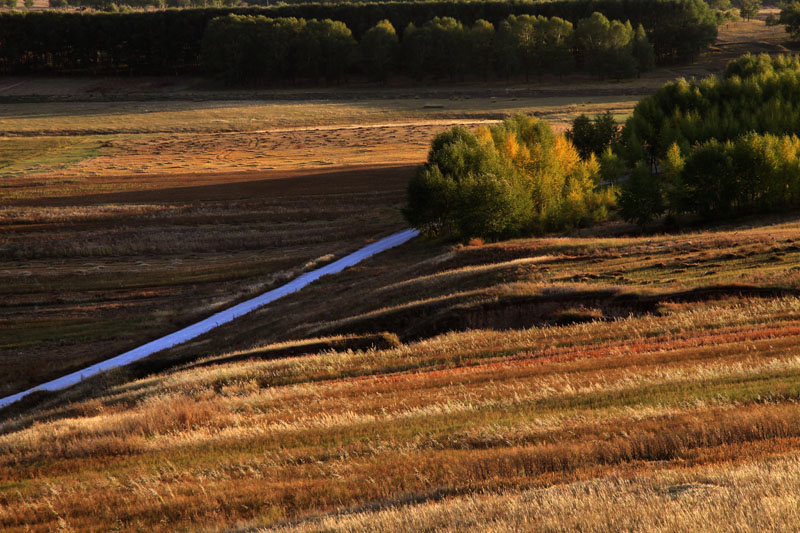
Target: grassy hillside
x: 602, y: 381
x: 666, y: 378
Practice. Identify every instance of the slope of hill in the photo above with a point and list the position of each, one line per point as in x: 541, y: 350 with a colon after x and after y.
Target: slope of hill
x: 599, y: 382
x: 602, y: 401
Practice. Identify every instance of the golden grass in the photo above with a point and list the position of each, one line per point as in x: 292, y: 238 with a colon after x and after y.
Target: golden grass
x: 82, y: 118
x: 752, y: 497
x: 463, y: 413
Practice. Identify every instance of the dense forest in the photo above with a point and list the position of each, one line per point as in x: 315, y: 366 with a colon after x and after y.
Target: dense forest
x: 257, y: 48
x: 170, y: 41
x: 718, y: 146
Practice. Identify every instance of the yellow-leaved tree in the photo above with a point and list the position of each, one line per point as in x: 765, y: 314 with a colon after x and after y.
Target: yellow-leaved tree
x: 512, y: 178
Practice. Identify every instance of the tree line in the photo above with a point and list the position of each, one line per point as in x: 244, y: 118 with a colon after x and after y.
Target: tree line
x: 714, y: 147
x: 241, y: 48
x: 169, y: 41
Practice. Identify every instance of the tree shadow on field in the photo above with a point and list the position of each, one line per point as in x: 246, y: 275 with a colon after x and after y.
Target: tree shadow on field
x: 271, y: 184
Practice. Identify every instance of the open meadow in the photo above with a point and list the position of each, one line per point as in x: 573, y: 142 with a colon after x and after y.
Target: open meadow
x: 609, y: 379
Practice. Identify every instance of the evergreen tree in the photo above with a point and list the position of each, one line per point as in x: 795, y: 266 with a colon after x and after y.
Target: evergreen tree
x: 640, y: 199
x: 642, y: 51
x: 593, y: 136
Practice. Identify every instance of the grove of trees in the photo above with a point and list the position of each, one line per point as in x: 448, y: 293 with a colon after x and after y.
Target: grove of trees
x: 241, y: 48
x: 170, y: 41
x: 512, y: 178
x: 756, y: 93
x: 714, y: 147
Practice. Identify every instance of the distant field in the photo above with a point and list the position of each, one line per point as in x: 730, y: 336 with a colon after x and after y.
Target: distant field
x: 173, y: 137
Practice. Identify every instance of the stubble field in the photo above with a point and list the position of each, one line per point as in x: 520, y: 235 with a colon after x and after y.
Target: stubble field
x: 543, y: 387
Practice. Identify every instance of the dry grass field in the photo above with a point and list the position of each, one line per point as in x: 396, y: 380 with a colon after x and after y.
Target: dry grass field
x: 86, y: 276
x: 545, y: 382
x: 603, y: 381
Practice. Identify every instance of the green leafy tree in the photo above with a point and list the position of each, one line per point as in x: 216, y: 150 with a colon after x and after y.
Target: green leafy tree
x: 790, y: 18
x: 582, y: 135
x: 447, y: 50
x: 709, y: 174
x: 748, y: 9
x: 559, y: 37
x: 593, y: 136
x: 506, y: 54
x: 606, y: 46
x: 327, y: 49
x: 749, y: 65
x: 720, y: 5
x: 759, y: 94
x: 640, y: 199
x: 481, y: 40
x: 379, y: 49
x: 676, y: 192
x: 526, y: 33
x: 642, y: 51
x: 612, y: 167
x: 417, y: 51
x: 511, y: 178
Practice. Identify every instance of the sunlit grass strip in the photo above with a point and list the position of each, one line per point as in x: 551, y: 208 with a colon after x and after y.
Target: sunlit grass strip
x: 707, y: 499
